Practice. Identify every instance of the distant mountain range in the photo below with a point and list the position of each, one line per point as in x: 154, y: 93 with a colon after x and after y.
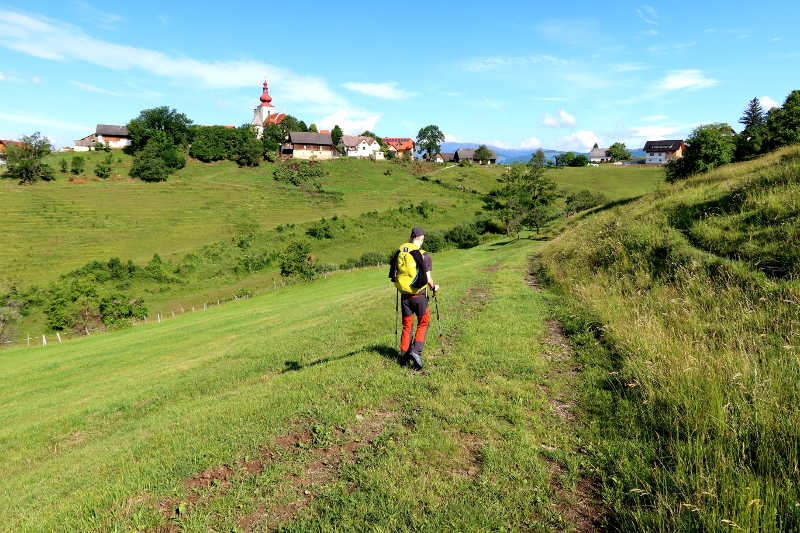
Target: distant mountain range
x: 513, y: 155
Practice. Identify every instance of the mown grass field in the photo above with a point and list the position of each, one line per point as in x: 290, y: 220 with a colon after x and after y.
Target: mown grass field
x: 685, y: 308
x: 51, y: 228
x: 289, y: 409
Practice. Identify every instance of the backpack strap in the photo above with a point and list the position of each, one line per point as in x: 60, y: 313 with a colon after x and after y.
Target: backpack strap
x: 393, y: 266
x: 421, y: 280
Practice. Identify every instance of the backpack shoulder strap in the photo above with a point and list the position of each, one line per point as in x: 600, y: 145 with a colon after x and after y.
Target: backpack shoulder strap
x: 393, y: 266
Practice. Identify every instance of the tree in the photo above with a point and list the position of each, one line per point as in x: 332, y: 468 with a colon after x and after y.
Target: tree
x: 149, y: 165
x: 708, y: 147
x: 313, y: 128
x: 336, y: 135
x: 429, y: 140
x: 753, y: 115
x: 77, y: 164
x: 618, y: 152
x: 212, y: 143
x: 579, y: 160
x: 301, y: 126
x: 248, y: 150
x: 296, y: 261
x: 64, y: 166
x: 159, y: 119
x: 482, y: 154
x: 564, y: 160
x: 538, y: 158
x: 24, y: 159
x: 524, y: 198
x: 103, y: 168
x: 783, y: 124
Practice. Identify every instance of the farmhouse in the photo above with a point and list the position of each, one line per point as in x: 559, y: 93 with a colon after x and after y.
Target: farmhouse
x: 308, y: 145
x: 468, y: 154
x: 599, y: 155
x: 444, y: 157
x: 659, y: 152
x: 403, y: 147
x: 113, y: 136
x: 265, y: 113
x: 361, y: 146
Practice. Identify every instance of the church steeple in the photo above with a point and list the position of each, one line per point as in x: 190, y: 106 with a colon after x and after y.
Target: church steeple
x: 266, y: 99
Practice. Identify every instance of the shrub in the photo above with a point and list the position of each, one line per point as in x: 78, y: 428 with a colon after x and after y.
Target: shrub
x: 296, y: 261
x: 117, y: 309
x: 582, y: 200
x: 463, y: 236
x: 320, y: 230
x: 77, y: 165
x: 300, y: 173
x: 425, y: 209
x: 103, y: 168
x: 212, y: 143
x: 64, y: 166
x: 435, y: 242
x: 24, y: 159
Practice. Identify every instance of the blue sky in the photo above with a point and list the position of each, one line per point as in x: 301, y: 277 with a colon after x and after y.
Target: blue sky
x: 514, y: 74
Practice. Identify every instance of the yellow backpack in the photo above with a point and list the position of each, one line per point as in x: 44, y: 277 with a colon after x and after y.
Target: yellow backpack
x: 407, y: 269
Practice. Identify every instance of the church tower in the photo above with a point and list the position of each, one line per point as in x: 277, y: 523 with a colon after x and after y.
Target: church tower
x: 265, y: 113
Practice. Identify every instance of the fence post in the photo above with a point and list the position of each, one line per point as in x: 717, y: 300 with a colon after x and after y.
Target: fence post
x: 217, y: 302
x: 205, y: 306
x: 158, y: 315
x: 173, y: 314
x: 182, y: 311
x: 44, y: 340
x: 192, y: 309
x: 59, y: 337
x: 29, y: 338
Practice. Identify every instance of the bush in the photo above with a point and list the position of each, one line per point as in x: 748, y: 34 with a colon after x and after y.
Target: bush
x: 103, y: 168
x: 24, y: 159
x: 117, y: 309
x: 300, y: 173
x: 435, y: 242
x: 64, y: 166
x: 248, y: 151
x: 148, y: 166
x: 212, y: 143
x: 77, y: 165
x: 463, y: 236
x: 320, y: 230
x: 296, y: 261
x: 582, y: 200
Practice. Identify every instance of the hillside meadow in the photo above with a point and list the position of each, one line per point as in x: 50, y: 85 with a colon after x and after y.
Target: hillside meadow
x: 684, y: 307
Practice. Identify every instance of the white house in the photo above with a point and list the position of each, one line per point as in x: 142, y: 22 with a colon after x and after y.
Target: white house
x: 113, y: 136
x: 361, y: 146
x: 599, y: 155
x: 660, y: 152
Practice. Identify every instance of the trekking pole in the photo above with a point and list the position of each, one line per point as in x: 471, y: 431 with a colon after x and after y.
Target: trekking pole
x: 438, y: 321
x: 397, y: 318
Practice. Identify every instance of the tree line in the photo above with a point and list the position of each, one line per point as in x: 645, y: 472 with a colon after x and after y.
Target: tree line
x: 712, y: 145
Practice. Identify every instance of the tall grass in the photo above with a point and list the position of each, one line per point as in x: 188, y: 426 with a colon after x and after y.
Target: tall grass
x: 686, y: 312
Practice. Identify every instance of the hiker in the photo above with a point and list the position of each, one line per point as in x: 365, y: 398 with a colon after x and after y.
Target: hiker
x: 410, y: 270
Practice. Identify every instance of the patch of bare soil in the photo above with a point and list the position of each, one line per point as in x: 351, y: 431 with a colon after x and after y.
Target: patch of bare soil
x: 467, y: 462
x: 320, y: 470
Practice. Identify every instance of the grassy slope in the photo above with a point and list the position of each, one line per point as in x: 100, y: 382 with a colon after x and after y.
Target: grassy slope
x: 96, y: 431
x: 616, y: 182
x: 689, y: 326
x: 51, y: 228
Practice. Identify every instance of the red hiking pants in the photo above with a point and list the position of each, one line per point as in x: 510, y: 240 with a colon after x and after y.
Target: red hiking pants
x: 416, y: 304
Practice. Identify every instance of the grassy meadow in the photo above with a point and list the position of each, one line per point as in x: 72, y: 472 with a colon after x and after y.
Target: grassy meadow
x: 51, y: 228
x: 685, y: 307
x: 283, y: 410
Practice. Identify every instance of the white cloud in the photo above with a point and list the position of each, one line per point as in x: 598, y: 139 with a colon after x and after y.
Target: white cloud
x: 497, y: 62
x: 60, y: 42
x: 36, y: 121
x: 92, y: 89
x: 531, y: 142
x: 691, y: 79
x: 452, y: 139
x: 100, y: 18
x: 628, y: 67
x: 655, y: 118
x: 563, y: 119
x: 387, y: 90
x: 768, y: 103
x: 36, y: 79
x: 351, y: 121
x: 648, y: 14
x: 580, y: 141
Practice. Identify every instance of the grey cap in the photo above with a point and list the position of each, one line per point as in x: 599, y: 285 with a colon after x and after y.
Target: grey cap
x: 416, y: 231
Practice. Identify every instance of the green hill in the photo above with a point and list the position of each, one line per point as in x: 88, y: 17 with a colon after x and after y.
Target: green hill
x: 685, y: 307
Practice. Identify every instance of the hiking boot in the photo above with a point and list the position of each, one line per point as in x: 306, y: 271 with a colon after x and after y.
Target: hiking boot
x: 415, y: 360
x: 403, y: 358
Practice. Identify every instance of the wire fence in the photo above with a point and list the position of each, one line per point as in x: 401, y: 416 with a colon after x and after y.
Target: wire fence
x: 59, y: 337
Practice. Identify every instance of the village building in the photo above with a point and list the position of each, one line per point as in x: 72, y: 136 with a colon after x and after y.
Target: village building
x: 108, y: 134
x: 308, y: 145
x: 403, y: 147
x: 361, y: 146
x: 468, y: 154
x: 660, y: 152
x: 265, y: 113
x: 444, y: 157
x: 599, y: 155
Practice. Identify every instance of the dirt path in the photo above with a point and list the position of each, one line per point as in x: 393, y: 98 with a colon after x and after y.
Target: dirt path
x: 576, y: 504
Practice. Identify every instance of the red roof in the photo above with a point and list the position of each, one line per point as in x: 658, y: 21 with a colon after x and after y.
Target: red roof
x: 400, y: 143
x: 6, y: 142
x: 277, y: 118
x: 324, y: 131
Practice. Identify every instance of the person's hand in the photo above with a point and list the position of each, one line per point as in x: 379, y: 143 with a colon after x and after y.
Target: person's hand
x: 435, y: 288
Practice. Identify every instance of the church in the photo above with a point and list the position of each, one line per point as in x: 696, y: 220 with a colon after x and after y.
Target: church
x: 265, y: 113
